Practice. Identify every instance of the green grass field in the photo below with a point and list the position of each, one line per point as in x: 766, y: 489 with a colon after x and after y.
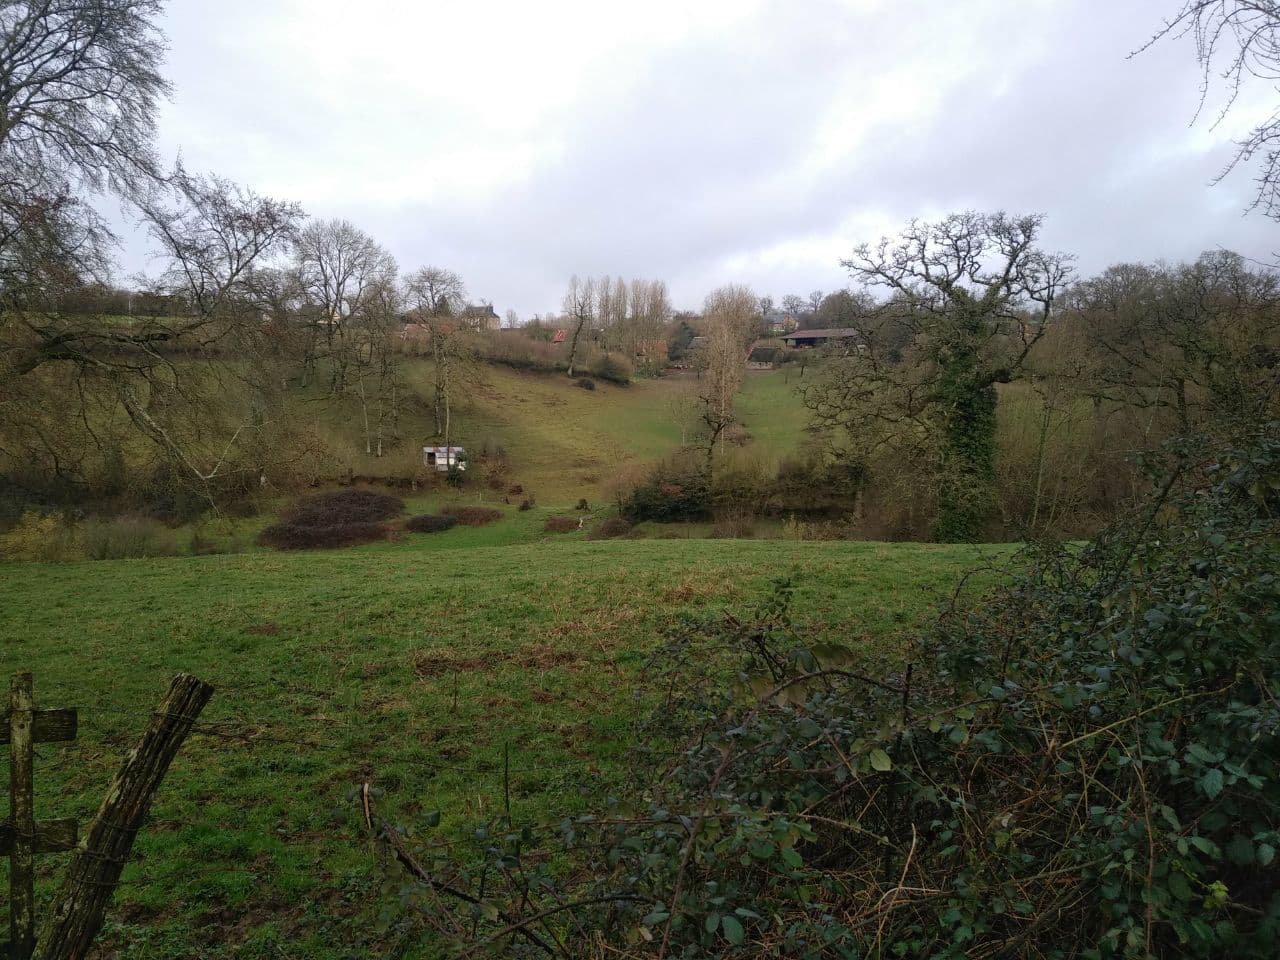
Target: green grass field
x: 413, y: 664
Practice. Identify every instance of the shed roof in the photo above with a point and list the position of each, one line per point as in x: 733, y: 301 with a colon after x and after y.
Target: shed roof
x: 825, y: 333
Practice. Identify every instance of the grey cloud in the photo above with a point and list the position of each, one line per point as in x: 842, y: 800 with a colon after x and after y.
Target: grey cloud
x: 685, y: 159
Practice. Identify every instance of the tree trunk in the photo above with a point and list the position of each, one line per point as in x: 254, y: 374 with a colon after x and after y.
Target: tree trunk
x: 78, y: 911
x: 573, y: 346
x: 966, y: 492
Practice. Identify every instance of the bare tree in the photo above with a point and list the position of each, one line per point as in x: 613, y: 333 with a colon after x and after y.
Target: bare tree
x: 730, y: 316
x: 683, y: 407
x: 79, y: 87
x: 580, y: 304
x: 433, y: 296
x: 794, y: 305
x: 436, y: 291
x: 375, y: 372
x: 973, y: 294
x: 1237, y: 40
x: 1199, y: 341
x: 341, y: 269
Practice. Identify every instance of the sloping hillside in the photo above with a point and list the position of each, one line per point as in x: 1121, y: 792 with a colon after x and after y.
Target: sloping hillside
x: 563, y: 442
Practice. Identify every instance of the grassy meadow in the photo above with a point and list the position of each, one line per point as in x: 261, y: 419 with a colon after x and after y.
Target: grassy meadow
x: 414, y: 664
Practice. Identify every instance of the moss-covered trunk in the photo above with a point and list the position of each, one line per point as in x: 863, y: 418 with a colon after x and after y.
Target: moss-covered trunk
x: 966, y: 493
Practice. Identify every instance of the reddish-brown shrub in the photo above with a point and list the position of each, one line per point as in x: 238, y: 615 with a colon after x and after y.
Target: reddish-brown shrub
x: 429, y: 523
x: 338, y: 507
x: 473, y: 516
x: 607, y: 529
x: 561, y: 524
x: 295, y: 536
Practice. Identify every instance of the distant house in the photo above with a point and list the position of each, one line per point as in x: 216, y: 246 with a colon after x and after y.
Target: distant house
x: 779, y: 321
x: 651, y: 353
x: 823, y: 337
x: 481, y: 317
x: 559, y: 336
x: 444, y: 458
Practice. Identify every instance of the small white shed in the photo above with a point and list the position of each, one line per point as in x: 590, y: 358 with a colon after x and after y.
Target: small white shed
x: 445, y: 458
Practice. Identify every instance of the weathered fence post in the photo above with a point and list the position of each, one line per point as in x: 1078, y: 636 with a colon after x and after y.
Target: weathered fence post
x: 22, y: 836
x: 22, y: 818
x: 78, y: 910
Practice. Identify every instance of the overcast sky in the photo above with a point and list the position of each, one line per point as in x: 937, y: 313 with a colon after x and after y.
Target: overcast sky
x: 701, y: 141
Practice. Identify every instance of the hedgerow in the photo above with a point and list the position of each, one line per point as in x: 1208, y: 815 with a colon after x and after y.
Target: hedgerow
x: 1083, y: 765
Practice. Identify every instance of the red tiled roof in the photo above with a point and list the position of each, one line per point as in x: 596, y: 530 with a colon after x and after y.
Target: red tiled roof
x: 559, y: 337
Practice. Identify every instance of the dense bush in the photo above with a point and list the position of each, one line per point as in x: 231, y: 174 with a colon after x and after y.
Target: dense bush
x: 353, y: 505
x: 473, y: 516
x: 127, y: 538
x: 430, y: 523
x: 609, y: 528
x: 1084, y: 765
x: 297, y: 536
x: 339, y: 518
x: 733, y: 526
x: 513, y: 349
x: 40, y: 537
x: 561, y: 524
x: 613, y: 367
x: 677, y: 490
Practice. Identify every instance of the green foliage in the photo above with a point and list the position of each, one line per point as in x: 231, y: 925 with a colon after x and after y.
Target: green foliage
x: 128, y: 538
x: 1088, y: 768
x: 966, y: 496
x: 678, y: 489
x: 39, y: 537
x: 613, y: 367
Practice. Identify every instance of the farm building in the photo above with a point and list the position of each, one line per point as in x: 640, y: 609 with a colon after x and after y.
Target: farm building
x: 822, y: 337
x: 444, y: 458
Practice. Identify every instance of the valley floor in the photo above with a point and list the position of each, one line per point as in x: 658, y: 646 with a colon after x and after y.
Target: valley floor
x: 412, y: 664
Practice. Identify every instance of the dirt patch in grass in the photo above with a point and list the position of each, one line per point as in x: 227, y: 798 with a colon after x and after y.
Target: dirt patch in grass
x: 541, y: 656
x: 696, y: 587
x: 432, y: 663
x: 441, y: 662
x: 264, y: 629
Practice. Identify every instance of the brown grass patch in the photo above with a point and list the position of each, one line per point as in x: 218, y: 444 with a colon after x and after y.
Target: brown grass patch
x: 427, y: 664
x: 473, y: 516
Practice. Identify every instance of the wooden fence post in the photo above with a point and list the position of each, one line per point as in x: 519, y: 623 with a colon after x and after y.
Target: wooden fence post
x: 78, y: 910
x: 22, y: 836
x: 22, y: 819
